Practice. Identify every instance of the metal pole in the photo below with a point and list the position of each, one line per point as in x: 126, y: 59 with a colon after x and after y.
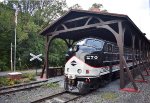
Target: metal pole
x: 15, y: 52
x: 16, y: 13
x: 11, y: 59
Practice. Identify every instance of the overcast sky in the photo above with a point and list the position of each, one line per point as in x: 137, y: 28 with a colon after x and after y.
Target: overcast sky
x: 137, y: 10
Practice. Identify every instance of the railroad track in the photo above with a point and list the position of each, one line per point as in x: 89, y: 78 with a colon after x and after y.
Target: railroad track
x: 62, y: 97
x: 19, y: 87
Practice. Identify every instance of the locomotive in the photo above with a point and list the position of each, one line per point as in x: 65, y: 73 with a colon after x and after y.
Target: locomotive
x: 92, y: 62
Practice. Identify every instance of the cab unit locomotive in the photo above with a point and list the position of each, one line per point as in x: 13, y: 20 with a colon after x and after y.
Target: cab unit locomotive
x: 92, y: 62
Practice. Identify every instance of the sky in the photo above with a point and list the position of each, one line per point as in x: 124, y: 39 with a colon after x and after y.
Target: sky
x: 137, y: 10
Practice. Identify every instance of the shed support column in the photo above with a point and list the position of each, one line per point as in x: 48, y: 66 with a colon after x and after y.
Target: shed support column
x: 122, y: 79
x: 46, y: 56
x: 45, y: 67
x: 148, y: 56
x: 141, y: 58
x: 133, y: 50
x: 134, y: 59
x: 120, y: 42
x: 148, y: 61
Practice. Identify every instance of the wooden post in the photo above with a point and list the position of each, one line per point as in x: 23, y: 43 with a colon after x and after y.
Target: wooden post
x: 134, y: 59
x: 45, y: 67
x: 46, y: 56
x: 120, y: 43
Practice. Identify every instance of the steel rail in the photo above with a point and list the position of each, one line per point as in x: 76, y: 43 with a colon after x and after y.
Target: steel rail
x: 48, y: 97
x: 56, y: 95
x: 21, y: 87
x: 24, y: 84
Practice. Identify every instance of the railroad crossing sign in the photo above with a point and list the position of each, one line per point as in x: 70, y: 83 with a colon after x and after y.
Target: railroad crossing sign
x: 35, y: 57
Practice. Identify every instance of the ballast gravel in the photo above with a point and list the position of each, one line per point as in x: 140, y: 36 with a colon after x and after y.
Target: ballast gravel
x: 112, y: 94
x: 107, y: 94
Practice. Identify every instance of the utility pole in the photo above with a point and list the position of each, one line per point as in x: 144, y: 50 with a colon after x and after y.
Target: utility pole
x: 11, y: 58
x: 16, y: 13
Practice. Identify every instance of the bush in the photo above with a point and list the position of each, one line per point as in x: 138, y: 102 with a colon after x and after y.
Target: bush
x: 31, y: 76
x: 4, y: 81
x: 3, y: 66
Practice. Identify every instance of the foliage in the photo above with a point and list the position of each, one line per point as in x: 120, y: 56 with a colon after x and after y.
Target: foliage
x: 95, y: 5
x: 5, y: 81
x: 99, y: 7
x: 27, y: 77
x: 51, y: 85
x: 5, y: 35
x: 30, y: 76
x: 57, y: 53
x: 32, y: 17
x: 76, y: 6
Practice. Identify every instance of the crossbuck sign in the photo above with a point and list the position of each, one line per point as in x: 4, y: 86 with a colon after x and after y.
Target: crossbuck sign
x: 35, y: 57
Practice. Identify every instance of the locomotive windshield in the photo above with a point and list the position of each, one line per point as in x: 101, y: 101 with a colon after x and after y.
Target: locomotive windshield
x: 84, y: 47
x: 91, y: 42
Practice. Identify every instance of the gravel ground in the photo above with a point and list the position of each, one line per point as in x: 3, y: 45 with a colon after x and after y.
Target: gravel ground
x: 111, y: 94
x: 108, y: 94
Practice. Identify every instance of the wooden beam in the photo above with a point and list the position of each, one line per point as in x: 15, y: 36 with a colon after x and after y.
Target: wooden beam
x: 110, y: 29
x: 64, y: 26
x: 129, y: 74
x: 88, y: 21
x: 86, y: 27
x: 76, y: 19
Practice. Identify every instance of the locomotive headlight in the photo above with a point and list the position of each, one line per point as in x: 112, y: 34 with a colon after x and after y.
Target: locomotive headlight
x: 79, y: 71
x: 75, y: 48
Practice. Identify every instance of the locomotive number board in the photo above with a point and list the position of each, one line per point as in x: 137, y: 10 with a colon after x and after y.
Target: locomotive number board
x: 91, y: 57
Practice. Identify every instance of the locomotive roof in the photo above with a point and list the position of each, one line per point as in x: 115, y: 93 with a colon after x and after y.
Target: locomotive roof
x: 80, y: 15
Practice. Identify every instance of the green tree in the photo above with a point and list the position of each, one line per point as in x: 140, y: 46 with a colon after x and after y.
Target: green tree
x: 57, y: 51
x: 76, y: 6
x: 98, y: 7
x: 6, y: 33
x: 32, y: 17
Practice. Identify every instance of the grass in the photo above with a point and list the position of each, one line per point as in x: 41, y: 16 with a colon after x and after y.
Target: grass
x: 5, y: 81
x: 109, y: 96
x: 30, y: 76
x: 51, y: 85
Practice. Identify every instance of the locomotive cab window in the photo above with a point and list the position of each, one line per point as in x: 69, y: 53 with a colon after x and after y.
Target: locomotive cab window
x: 108, y: 48
x: 95, y: 43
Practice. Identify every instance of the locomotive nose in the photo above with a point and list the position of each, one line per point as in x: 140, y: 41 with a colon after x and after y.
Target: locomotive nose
x: 74, y: 66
